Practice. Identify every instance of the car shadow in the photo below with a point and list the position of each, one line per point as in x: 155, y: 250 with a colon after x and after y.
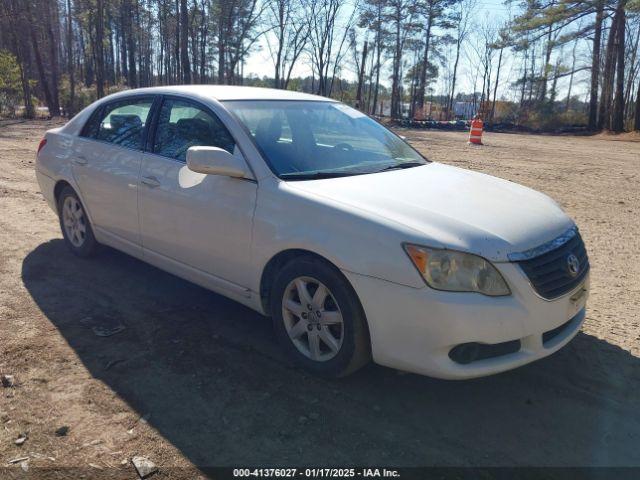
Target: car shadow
x: 216, y: 385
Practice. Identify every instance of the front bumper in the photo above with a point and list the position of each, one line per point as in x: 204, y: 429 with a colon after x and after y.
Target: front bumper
x: 415, y: 329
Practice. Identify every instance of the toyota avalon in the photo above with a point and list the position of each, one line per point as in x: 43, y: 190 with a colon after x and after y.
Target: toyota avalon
x: 312, y: 213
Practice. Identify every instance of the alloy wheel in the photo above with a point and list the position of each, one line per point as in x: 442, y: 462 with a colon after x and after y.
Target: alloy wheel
x: 312, y: 319
x: 74, y: 221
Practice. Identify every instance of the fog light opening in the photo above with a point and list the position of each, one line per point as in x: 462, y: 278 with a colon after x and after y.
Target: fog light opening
x: 464, y: 353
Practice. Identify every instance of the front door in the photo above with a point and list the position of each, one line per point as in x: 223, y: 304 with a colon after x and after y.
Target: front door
x: 193, y: 224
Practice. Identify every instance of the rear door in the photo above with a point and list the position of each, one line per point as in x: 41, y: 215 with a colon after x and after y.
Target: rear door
x: 106, y: 166
x: 194, y: 224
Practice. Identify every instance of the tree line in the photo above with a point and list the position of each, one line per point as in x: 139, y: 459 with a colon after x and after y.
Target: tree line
x: 403, y: 56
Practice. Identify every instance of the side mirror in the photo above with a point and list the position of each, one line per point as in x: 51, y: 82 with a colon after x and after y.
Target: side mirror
x: 216, y: 161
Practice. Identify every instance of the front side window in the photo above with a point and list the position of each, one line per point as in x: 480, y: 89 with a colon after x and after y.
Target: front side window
x: 121, y: 123
x: 312, y: 139
x: 182, y: 125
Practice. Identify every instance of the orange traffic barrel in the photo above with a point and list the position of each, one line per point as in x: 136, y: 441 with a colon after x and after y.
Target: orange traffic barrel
x: 475, y: 134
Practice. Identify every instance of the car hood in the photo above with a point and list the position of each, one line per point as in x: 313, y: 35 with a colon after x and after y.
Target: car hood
x: 449, y: 207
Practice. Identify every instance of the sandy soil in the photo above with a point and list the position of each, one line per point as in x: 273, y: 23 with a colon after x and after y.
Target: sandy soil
x: 196, y: 379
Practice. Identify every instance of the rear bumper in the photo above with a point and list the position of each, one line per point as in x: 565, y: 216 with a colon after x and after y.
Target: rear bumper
x: 47, y: 185
x: 415, y: 329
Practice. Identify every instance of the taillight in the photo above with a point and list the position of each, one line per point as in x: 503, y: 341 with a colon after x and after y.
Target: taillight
x: 43, y: 142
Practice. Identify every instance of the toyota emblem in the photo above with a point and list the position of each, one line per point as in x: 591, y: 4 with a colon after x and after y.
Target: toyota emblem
x: 573, y: 265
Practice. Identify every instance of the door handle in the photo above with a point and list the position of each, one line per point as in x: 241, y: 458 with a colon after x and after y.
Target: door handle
x: 80, y: 160
x: 151, y: 182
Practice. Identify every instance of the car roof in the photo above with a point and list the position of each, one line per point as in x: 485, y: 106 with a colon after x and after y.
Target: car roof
x: 202, y: 92
x: 227, y: 92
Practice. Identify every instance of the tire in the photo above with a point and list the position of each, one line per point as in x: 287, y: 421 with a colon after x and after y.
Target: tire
x: 304, y: 333
x: 75, y: 225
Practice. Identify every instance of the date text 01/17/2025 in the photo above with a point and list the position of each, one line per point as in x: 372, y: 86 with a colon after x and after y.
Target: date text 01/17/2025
x: 315, y: 473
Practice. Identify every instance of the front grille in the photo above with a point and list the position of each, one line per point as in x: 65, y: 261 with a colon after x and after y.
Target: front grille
x: 549, y: 272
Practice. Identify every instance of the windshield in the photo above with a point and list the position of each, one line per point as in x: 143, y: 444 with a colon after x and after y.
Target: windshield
x: 309, y: 139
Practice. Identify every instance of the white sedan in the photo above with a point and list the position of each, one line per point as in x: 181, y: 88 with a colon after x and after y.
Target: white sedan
x: 310, y: 212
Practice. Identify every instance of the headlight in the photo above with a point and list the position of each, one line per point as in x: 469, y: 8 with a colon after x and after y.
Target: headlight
x: 456, y: 271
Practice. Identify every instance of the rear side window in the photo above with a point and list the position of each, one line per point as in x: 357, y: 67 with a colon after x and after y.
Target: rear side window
x: 183, y: 124
x: 121, y: 123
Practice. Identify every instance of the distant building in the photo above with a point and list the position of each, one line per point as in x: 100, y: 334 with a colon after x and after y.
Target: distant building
x: 464, y: 110
x: 385, y: 109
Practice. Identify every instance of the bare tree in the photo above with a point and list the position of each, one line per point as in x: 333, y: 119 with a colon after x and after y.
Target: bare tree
x: 595, y: 66
x: 500, y: 47
x: 462, y: 13
x: 372, y: 18
x: 483, y: 47
x: 401, y: 17
x: 327, y: 39
x: 617, y: 120
x: 360, y: 65
x: 238, y: 23
x: 99, y: 48
x: 433, y: 12
x: 636, y: 123
x: 184, y: 45
x: 70, y: 65
x: 44, y: 81
x: 287, y: 37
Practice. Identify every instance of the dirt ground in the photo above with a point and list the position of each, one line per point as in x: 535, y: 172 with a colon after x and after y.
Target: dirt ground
x: 198, y: 380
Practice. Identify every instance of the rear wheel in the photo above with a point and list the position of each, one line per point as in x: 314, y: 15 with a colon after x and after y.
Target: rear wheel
x: 75, y: 225
x: 318, y: 318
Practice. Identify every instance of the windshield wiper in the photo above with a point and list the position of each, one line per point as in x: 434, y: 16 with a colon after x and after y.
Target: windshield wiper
x: 316, y: 175
x: 334, y: 174
x: 399, y: 166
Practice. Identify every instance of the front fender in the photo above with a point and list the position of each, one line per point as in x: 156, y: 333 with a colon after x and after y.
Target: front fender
x: 354, y: 241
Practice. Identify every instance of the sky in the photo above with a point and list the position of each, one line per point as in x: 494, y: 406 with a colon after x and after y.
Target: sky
x: 494, y: 11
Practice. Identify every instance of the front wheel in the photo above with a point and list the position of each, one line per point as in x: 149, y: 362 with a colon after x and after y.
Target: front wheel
x: 75, y: 225
x: 318, y: 318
